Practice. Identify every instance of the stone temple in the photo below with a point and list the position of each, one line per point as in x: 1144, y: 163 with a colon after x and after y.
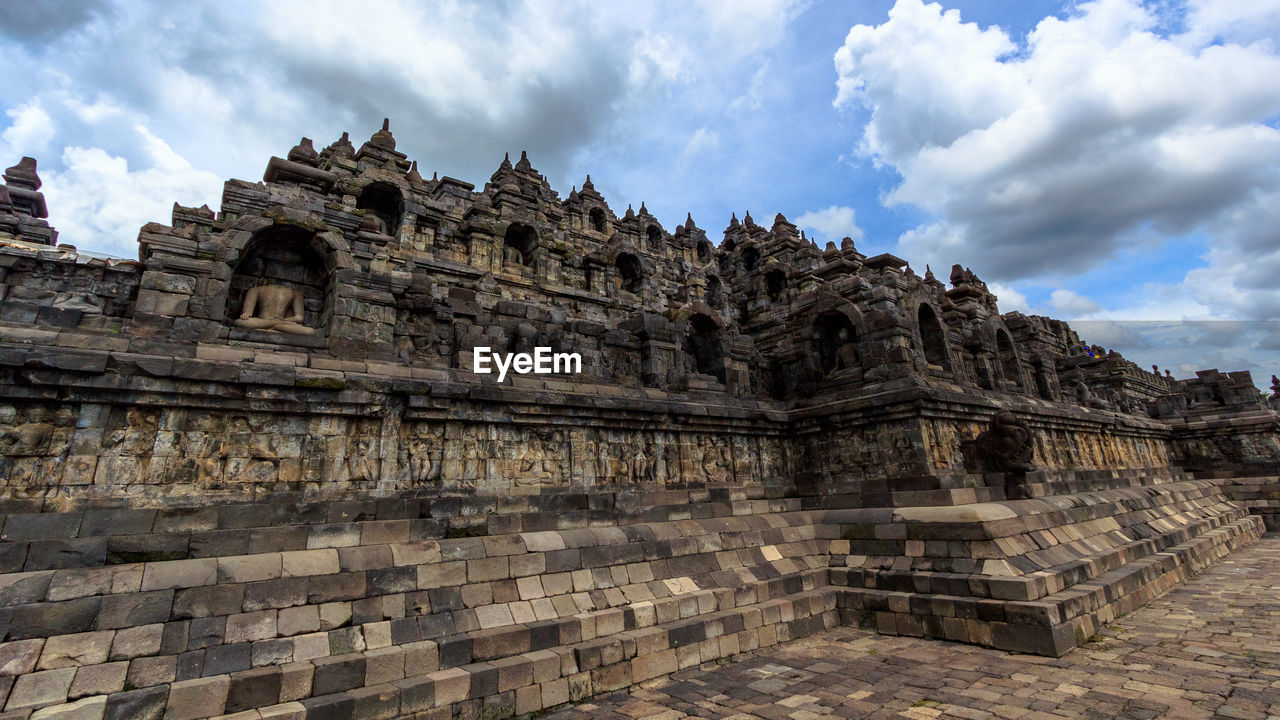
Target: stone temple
x: 253, y: 475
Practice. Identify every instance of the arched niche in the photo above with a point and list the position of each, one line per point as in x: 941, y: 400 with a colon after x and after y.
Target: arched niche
x: 775, y: 283
x: 383, y: 201
x: 750, y: 258
x: 630, y: 273
x: 715, y: 291
x: 286, y: 256
x: 654, y: 235
x: 597, y: 219
x: 705, y: 346
x: 1008, y: 357
x: 836, y: 343
x: 705, y: 251
x: 519, y: 244
x: 933, y: 337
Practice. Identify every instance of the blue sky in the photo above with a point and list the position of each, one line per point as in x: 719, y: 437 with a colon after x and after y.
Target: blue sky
x: 1114, y: 163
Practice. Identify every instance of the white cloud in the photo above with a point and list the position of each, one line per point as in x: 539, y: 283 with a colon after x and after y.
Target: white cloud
x: 1050, y: 157
x: 30, y: 131
x: 98, y: 197
x: 831, y: 223
x: 702, y: 140
x: 227, y: 85
x: 1070, y: 304
x: 1010, y: 299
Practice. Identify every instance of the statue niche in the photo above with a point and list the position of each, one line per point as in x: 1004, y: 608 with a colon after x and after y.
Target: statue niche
x: 280, y: 283
x: 383, y: 201
x: 630, y: 273
x: 837, y: 343
x: 519, y: 244
x: 704, y: 348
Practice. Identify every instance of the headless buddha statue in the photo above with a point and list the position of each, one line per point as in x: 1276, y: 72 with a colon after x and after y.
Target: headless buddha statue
x: 512, y: 256
x: 273, y: 308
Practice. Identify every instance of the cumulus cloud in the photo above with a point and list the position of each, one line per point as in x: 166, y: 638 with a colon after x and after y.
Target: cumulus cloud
x: 99, y: 197
x: 30, y: 131
x: 1050, y: 156
x: 227, y: 85
x: 831, y: 223
x: 1070, y: 304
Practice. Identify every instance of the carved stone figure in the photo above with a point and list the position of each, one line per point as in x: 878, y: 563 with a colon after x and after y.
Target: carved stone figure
x: 512, y: 256
x: 273, y: 308
x: 1006, y: 447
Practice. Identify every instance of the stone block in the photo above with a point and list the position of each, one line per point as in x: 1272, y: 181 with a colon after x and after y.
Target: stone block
x: 90, y: 708
x: 24, y: 588
x: 90, y: 648
x: 208, y: 601
x: 450, y: 686
x: 46, y: 619
x: 194, y: 699
x: 38, y: 689
x: 417, y: 694
x: 99, y: 679
x: 144, y: 704
x: 247, y: 627
x: 252, y: 689
x: 380, y: 702
x: 338, y: 673
x: 19, y: 658
x: 444, y: 574
x: 249, y: 568
x: 282, y: 593
x: 180, y: 574
x: 226, y: 659
x: 132, y: 609
x: 148, y: 671
x: 298, y: 620
x: 295, y: 681
x: 384, y: 665
x: 304, y: 563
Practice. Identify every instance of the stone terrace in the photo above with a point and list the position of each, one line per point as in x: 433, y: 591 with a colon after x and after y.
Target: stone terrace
x: 1210, y: 649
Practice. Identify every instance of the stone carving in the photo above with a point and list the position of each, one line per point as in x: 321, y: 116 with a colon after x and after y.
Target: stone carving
x: 1086, y: 398
x: 512, y: 256
x: 1006, y: 447
x: 273, y: 308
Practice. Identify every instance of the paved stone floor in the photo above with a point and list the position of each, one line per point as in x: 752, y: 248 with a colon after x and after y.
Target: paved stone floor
x: 1206, y: 650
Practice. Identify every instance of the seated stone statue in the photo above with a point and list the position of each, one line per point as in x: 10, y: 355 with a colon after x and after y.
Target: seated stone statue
x: 512, y: 256
x: 273, y: 308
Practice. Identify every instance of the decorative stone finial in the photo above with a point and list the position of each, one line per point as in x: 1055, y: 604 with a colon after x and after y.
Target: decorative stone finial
x: 746, y: 219
x: 524, y: 162
x: 631, y: 215
x: 779, y: 219
x: 23, y: 174
x: 928, y: 273
x: 413, y: 175
x: 506, y: 162
x: 733, y: 220
x: 383, y: 138
x: 304, y: 152
x: 587, y: 184
x: 688, y: 222
x: 846, y: 244
x: 342, y: 147
x: 643, y: 210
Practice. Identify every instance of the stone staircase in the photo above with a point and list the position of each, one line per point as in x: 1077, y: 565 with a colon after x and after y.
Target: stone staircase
x: 372, y: 610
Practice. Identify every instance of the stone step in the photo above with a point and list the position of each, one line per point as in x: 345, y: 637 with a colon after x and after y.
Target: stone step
x: 48, y: 541
x: 1052, y: 624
